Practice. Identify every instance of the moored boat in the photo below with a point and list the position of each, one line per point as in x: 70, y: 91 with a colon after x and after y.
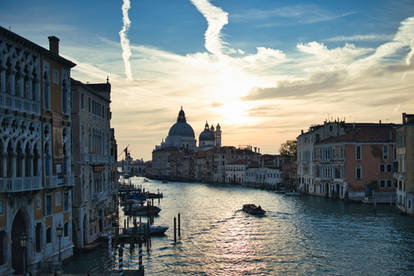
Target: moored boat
x: 155, y: 230
x: 253, y: 209
x: 139, y: 210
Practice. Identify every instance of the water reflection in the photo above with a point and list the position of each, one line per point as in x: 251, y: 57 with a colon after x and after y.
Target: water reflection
x: 297, y: 236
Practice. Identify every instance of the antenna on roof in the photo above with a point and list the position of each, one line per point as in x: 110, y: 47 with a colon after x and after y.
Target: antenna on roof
x: 107, y: 79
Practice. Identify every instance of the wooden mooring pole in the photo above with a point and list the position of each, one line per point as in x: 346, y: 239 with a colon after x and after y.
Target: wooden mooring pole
x: 375, y: 203
x: 175, y: 230
x: 179, y: 225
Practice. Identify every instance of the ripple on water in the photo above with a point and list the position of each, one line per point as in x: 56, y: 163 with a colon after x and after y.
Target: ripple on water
x: 303, y: 235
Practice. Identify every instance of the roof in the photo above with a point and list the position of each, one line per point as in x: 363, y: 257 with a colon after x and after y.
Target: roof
x: 367, y: 134
x: 90, y: 88
x: 31, y: 45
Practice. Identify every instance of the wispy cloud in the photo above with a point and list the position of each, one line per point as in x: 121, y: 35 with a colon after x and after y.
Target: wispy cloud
x: 235, y: 88
x: 297, y: 14
x: 366, y: 37
x: 126, y: 51
x: 216, y: 19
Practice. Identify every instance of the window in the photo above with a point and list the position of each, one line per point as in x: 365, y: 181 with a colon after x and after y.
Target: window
x: 382, y: 183
x: 38, y: 237
x: 38, y: 202
x: 49, y: 235
x: 385, y: 152
x: 66, y: 201
x: 89, y: 104
x: 389, y: 183
x: 2, y: 247
x: 359, y: 173
x: 66, y: 229
x: 358, y: 152
x: 48, y: 205
x: 1, y: 207
x: 382, y: 168
x: 55, y: 76
x: 82, y: 101
x: 64, y: 97
x: 58, y: 198
x: 46, y: 97
x: 389, y: 168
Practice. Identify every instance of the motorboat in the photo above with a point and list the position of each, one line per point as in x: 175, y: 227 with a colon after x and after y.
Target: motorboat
x: 253, y: 209
x: 155, y: 230
x: 140, y: 210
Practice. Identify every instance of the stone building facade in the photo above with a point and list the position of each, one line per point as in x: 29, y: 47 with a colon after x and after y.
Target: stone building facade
x: 35, y: 165
x: 94, y: 154
x: 405, y: 158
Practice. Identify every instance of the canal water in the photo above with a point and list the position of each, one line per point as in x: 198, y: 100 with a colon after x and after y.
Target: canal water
x: 299, y: 235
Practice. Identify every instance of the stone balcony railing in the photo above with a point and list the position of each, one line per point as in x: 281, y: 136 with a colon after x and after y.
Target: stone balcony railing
x: 20, y: 184
x: 69, y: 180
x: 51, y: 182
x: 15, y: 103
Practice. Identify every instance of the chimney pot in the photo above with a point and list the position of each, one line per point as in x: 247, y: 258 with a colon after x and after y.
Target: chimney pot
x: 54, y: 44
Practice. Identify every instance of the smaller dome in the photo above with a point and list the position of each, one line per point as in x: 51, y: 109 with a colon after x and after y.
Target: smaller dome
x: 206, y: 135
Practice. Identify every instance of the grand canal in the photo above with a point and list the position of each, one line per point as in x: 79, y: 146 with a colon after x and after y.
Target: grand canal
x: 299, y: 235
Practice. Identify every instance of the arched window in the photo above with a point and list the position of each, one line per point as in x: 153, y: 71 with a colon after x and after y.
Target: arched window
x: 46, y: 96
x: 34, y: 88
x: 10, y: 156
x: 28, y: 161
x: 47, y: 160
x: 26, y: 88
x: 8, y: 77
x: 17, y: 76
x: 35, y: 160
x: 64, y: 97
x: 1, y: 159
x: 19, y: 160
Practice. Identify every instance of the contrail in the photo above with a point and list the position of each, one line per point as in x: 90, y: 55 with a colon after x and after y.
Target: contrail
x: 126, y: 50
x: 216, y: 19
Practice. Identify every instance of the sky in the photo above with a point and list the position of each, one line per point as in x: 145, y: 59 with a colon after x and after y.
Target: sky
x: 264, y: 69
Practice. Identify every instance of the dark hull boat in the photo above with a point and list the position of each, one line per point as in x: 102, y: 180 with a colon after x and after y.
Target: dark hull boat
x: 138, y: 210
x: 155, y: 230
x: 253, y: 210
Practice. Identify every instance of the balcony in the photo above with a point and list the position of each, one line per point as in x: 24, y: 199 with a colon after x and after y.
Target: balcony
x: 69, y: 181
x: 20, y: 184
x: 51, y: 182
x: 19, y: 104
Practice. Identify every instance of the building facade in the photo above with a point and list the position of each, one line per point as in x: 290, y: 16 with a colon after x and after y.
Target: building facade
x: 356, y: 164
x: 94, y: 155
x: 35, y: 142
x: 405, y: 158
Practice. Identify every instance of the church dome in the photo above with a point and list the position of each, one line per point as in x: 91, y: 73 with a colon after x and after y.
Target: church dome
x: 207, y: 134
x: 181, y: 128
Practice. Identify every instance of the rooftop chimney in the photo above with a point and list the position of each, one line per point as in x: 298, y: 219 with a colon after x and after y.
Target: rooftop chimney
x: 54, y: 44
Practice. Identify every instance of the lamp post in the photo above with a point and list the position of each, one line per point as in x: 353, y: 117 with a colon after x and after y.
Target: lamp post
x: 59, y: 234
x: 23, y: 243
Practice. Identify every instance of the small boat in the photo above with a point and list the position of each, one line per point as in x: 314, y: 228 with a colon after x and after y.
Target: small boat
x: 146, y: 180
x: 155, y: 230
x: 139, y: 210
x: 253, y: 209
x: 292, y: 194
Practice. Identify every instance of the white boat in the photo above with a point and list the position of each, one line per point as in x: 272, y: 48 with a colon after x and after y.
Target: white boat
x: 155, y: 230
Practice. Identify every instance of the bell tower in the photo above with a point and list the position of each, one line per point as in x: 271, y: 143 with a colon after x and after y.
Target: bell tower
x: 217, y: 136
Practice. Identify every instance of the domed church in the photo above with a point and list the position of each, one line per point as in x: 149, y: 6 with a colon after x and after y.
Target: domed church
x: 181, y: 134
x: 210, y: 138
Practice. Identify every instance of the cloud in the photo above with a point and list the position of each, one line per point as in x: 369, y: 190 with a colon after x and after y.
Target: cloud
x: 367, y: 37
x: 126, y: 51
x: 295, y: 14
x: 216, y: 19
